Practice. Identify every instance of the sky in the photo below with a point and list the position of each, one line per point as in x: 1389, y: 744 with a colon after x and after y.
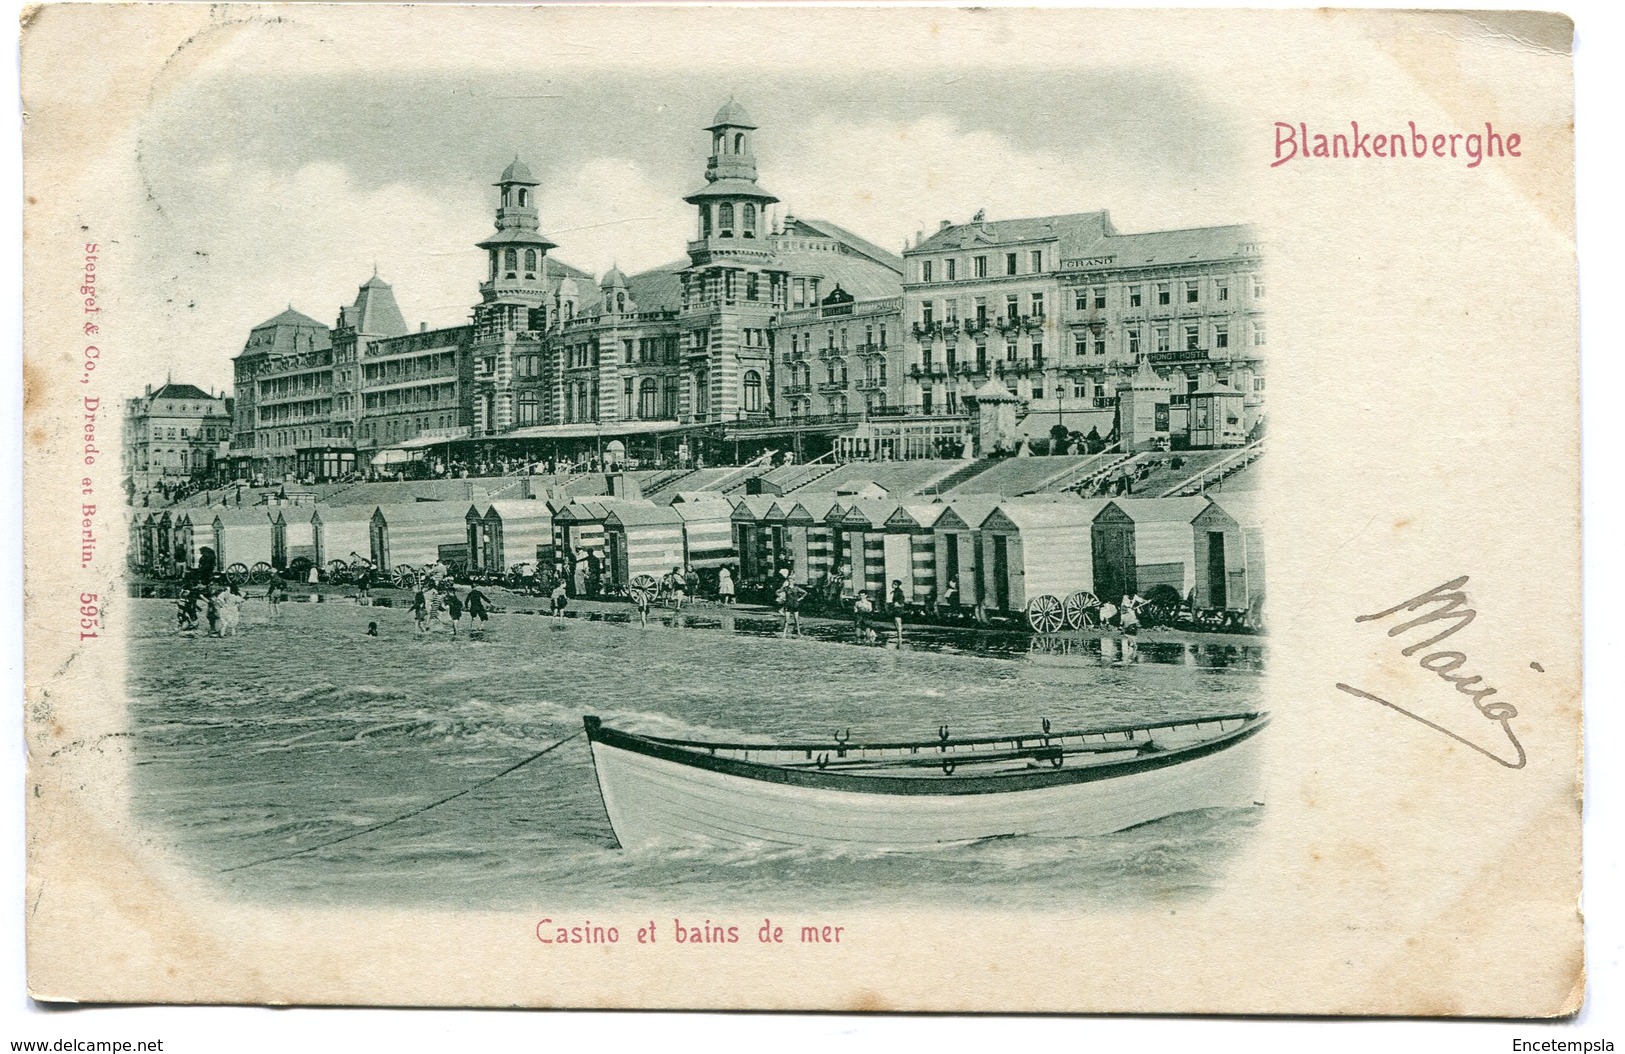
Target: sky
x: 262, y: 188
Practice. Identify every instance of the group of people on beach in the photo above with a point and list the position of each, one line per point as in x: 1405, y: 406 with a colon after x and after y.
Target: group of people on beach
x: 219, y: 605
x: 431, y: 598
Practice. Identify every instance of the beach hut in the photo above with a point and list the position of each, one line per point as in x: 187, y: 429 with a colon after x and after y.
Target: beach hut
x: 343, y: 535
x: 242, y: 537
x: 863, y: 531
x: 517, y: 532
x: 642, y: 539
x: 753, y: 539
x: 911, y: 552
x: 708, y: 539
x: 578, y: 536
x: 192, y: 532
x: 1036, y: 558
x: 405, y: 537
x: 293, y: 539
x: 1142, y: 545
x: 1228, y: 539
x: 807, y: 537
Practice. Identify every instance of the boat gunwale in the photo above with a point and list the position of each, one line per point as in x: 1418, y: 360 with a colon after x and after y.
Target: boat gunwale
x: 947, y: 784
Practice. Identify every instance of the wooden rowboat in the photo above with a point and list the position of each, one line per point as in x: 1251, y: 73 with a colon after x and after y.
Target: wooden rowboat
x: 920, y: 795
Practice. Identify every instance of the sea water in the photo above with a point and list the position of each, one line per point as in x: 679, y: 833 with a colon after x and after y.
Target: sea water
x: 303, y: 729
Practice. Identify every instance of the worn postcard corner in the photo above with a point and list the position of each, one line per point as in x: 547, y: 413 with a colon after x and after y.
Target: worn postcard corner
x: 521, y: 510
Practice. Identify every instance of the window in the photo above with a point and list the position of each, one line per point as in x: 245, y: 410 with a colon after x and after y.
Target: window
x: 1221, y: 336
x: 529, y: 406
x: 798, y: 293
x: 925, y: 270
x: 1012, y: 306
x: 1009, y: 263
x: 925, y: 401
x: 1162, y: 338
x: 1038, y: 352
x: 1100, y: 345
x: 705, y: 221
x: 1038, y: 305
x: 1134, y: 341
x: 1080, y: 389
x: 183, y: 433
x: 530, y: 260
x: 725, y: 219
x: 950, y: 313
x: 1258, y: 384
x: 1010, y: 351
x: 981, y: 311
x: 649, y: 398
x: 753, y: 287
x: 1080, y: 345
x: 750, y: 225
x: 926, y: 309
x: 1192, y: 338
x: 1038, y: 264
x: 1080, y: 300
x: 1191, y: 293
x: 981, y: 266
x: 1163, y: 294
x: 510, y: 261
x: 1038, y: 392
x: 1221, y: 290
x: 1258, y: 287
x: 1258, y: 334
x: 1134, y: 296
x: 1100, y: 298
x: 950, y: 269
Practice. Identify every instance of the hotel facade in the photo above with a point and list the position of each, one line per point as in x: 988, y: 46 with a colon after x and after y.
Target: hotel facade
x: 774, y: 331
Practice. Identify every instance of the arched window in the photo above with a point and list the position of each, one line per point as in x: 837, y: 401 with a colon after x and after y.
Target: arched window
x: 648, y: 399
x: 753, y: 392
x: 620, y: 302
x: 510, y: 261
x: 496, y: 262
x: 524, y: 197
x: 530, y: 259
x: 702, y: 393
x: 705, y: 221
x: 529, y: 405
x: 739, y: 142
x: 716, y: 142
x: 750, y: 223
x: 725, y: 219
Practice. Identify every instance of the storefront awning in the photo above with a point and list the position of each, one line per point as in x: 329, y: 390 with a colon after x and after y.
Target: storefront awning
x: 587, y: 430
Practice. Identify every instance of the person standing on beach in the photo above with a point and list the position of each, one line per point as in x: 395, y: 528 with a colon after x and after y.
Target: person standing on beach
x: 477, y: 611
x: 231, y: 611
x: 454, y: 608
x: 691, y: 582
x: 898, y: 604
x: 862, y: 607
x: 276, y: 596
x: 420, y: 610
x: 216, y: 606
x: 793, y: 596
x: 560, y: 598
x: 725, y: 586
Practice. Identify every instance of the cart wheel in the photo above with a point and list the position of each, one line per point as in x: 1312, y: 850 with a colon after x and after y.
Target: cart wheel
x: 404, y: 576
x: 1161, y: 607
x: 237, y: 574
x: 1079, y: 608
x: 300, y: 568
x: 643, y: 588
x: 261, y: 573
x: 338, y: 571
x: 1044, y: 614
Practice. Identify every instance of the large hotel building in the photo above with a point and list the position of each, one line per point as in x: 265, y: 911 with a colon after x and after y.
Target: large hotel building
x: 775, y: 332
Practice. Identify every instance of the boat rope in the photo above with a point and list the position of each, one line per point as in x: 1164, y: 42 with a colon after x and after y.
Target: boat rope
x: 407, y: 816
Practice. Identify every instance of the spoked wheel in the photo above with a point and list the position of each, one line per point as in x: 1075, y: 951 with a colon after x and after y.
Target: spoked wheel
x: 261, y: 573
x: 642, y: 588
x: 1161, y: 607
x: 1080, y: 609
x: 404, y: 576
x: 237, y: 574
x: 300, y: 569
x: 1044, y: 614
x: 338, y: 572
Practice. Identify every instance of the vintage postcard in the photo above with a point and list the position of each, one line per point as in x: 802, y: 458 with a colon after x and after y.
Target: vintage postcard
x: 759, y: 507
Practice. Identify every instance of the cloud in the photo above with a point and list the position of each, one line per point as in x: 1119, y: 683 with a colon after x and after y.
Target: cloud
x: 609, y: 211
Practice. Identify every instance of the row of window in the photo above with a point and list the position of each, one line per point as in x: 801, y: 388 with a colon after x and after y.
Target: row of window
x: 393, y: 370
x: 725, y: 215
x: 398, y: 428
x: 420, y: 395
x: 1008, y: 266
x: 837, y: 338
x: 206, y: 433
x: 303, y: 411
x: 1189, y: 291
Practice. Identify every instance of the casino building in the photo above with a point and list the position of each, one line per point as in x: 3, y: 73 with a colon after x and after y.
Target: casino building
x: 773, y: 332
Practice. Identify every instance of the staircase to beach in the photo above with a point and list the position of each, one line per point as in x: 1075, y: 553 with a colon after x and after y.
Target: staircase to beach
x: 1213, y: 475
x: 960, y: 476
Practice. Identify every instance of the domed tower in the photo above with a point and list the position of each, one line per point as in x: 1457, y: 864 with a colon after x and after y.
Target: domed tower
x: 617, y: 297
x: 516, y: 278
x: 733, y: 287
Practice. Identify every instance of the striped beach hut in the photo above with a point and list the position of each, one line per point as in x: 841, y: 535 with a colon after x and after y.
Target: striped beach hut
x: 1141, y: 544
x: 578, y: 531
x: 911, y: 551
x: 517, y: 532
x: 192, y: 532
x: 708, y: 539
x: 1228, y: 539
x: 642, y: 539
x: 808, y: 537
x: 863, y: 531
x: 956, y: 537
x: 343, y: 534
x: 419, y: 534
x: 753, y: 536
x: 1036, y: 558
x: 242, y: 536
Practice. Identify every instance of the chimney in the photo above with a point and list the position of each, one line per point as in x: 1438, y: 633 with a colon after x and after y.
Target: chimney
x: 149, y: 389
x: 944, y: 225
x: 423, y: 327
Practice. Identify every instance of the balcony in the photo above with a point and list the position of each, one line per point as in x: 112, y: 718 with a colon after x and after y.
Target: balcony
x: 831, y: 352
x: 872, y: 349
x: 831, y: 387
x: 927, y: 371
x: 795, y: 389
x: 870, y: 384
x: 976, y: 326
x: 1020, y: 367
x: 925, y: 331
x: 970, y: 369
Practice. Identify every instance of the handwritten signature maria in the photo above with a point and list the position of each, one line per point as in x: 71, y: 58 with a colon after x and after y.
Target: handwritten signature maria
x: 1447, y: 603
